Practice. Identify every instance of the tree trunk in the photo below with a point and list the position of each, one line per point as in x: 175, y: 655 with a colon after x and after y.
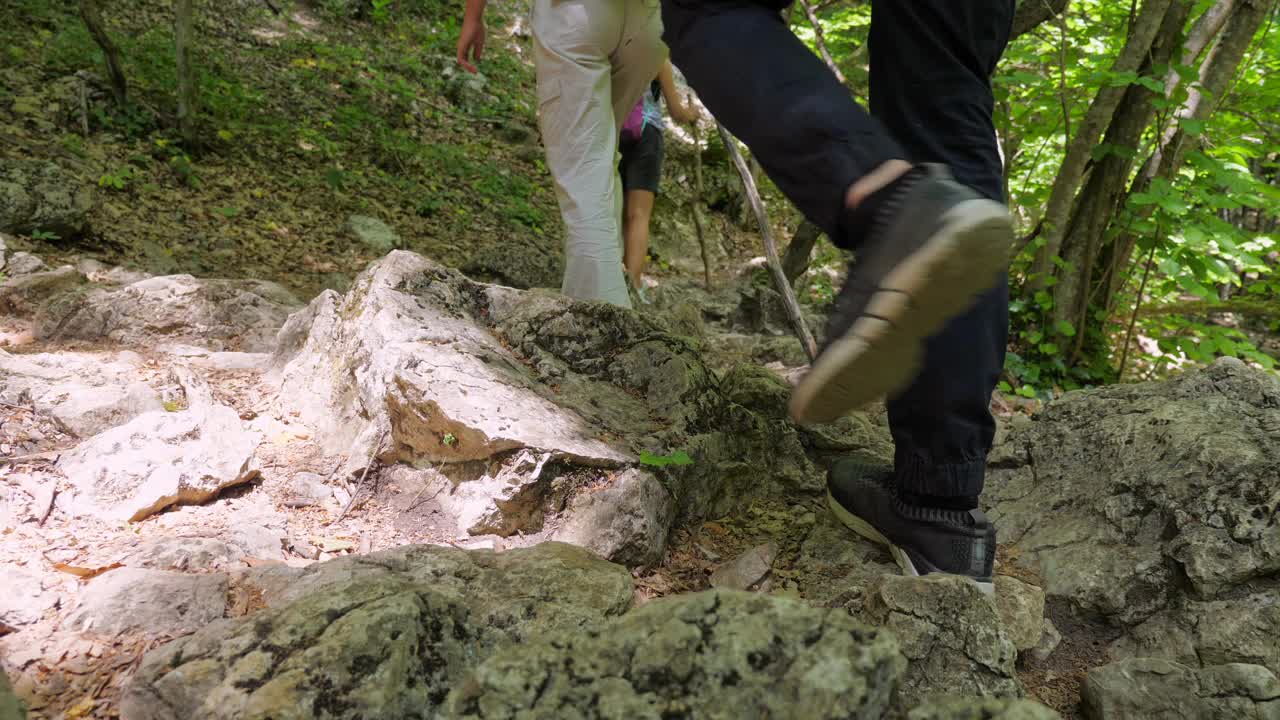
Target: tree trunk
x: 1206, y: 29
x: 182, y: 31
x: 821, y: 40
x: 92, y: 16
x: 796, y: 259
x: 1031, y: 13
x: 770, y: 248
x: 1216, y: 71
x: 1071, y: 175
x: 1104, y: 190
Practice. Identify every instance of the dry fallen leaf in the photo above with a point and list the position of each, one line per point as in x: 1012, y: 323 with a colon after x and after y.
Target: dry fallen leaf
x: 81, y: 709
x: 332, y: 544
x: 85, y: 573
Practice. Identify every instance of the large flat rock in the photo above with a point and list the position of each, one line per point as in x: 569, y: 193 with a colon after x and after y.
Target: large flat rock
x: 382, y: 635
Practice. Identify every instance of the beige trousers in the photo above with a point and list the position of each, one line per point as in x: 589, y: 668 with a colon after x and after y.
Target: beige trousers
x: 594, y: 59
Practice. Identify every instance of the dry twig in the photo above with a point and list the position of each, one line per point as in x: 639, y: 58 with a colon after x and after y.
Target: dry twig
x: 360, y: 484
x: 770, y: 249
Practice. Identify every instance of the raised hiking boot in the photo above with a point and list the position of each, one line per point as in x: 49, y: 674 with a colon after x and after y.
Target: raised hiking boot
x: 922, y: 540
x: 935, y: 247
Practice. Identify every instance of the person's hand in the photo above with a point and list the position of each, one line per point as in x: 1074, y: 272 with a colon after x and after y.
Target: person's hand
x: 686, y: 115
x: 471, y: 43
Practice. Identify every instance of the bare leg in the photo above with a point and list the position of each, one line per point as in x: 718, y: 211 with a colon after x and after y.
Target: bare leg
x: 637, y: 209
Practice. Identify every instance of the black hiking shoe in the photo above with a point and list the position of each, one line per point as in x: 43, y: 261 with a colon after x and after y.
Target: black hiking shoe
x: 922, y: 540
x: 938, y: 247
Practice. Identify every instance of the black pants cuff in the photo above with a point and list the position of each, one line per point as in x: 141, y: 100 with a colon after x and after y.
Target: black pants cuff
x: 919, y: 475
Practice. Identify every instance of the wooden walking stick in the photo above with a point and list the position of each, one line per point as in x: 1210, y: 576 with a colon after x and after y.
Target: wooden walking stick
x: 696, y: 205
x: 770, y: 249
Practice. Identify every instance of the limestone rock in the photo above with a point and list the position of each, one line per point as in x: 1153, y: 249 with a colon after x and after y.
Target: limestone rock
x: 983, y: 709
x: 24, y: 263
x: 839, y: 568
x: 257, y: 540
x: 1021, y: 608
x: 24, y: 599
x: 747, y: 570
x: 183, y: 554
x: 5, y: 241
x: 1240, y: 629
x: 310, y: 486
x: 23, y: 294
x: 375, y: 234
x: 161, y: 458
x: 1050, y: 639
x: 951, y: 635
x: 42, y: 196
x: 451, y: 372
x: 211, y: 360
x: 217, y: 314
x: 627, y: 521
x: 1107, y: 491
x: 85, y: 392
x: 718, y: 654
x: 379, y: 635
x: 1147, y: 688
x: 149, y: 601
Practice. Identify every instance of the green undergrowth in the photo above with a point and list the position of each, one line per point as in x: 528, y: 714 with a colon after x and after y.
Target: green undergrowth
x: 305, y: 118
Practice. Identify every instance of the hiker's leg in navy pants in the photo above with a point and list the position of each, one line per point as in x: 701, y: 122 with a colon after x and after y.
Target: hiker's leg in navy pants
x: 931, y: 63
x: 930, y: 88
x: 775, y: 95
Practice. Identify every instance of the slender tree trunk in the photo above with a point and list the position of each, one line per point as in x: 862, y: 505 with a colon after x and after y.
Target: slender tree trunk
x: 1216, y: 71
x: 695, y: 205
x: 770, y: 248
x: 1071, y: 175
x: 1104, y: 190
x: 1206, y: 30
x: 92, y: 16
x: 820, y: 40
x: 182, y: 36
x: 796, y: 259
x: 1031, y: 13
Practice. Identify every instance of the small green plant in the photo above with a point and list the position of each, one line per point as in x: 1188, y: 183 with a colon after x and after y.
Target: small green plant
x: 678, y: 457
x: 381, y: 9
x: 172, y: 406
x: 44, y: 236
x: 450, y: 439
x: 118, y: 179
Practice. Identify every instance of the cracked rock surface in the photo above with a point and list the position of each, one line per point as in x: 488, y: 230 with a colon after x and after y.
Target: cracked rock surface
x: 382, y: 635
x: 950, y: 632
x: 983, y: 709
x: 1154, y: 505
x: 1149, y: 688
x: 447, y: 372
x: 716, y: 654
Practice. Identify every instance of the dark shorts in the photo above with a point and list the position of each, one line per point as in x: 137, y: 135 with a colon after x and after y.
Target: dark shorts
x: 641, y: 165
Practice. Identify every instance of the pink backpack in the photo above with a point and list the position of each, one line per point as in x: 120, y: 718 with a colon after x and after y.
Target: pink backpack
x: 633, y: 127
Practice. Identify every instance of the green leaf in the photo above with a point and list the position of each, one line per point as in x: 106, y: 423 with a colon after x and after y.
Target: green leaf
x: 1065, y: 328
x: 1027, y: 391
x: 1049, y: 348
x: 678, y: 457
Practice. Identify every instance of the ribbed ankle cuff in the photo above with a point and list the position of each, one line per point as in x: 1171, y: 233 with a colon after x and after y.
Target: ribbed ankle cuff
x: 918, y: 475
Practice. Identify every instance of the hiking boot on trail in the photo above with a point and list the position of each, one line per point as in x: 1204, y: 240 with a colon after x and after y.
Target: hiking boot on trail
x: 932, y: 246
x: 922, y: 540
